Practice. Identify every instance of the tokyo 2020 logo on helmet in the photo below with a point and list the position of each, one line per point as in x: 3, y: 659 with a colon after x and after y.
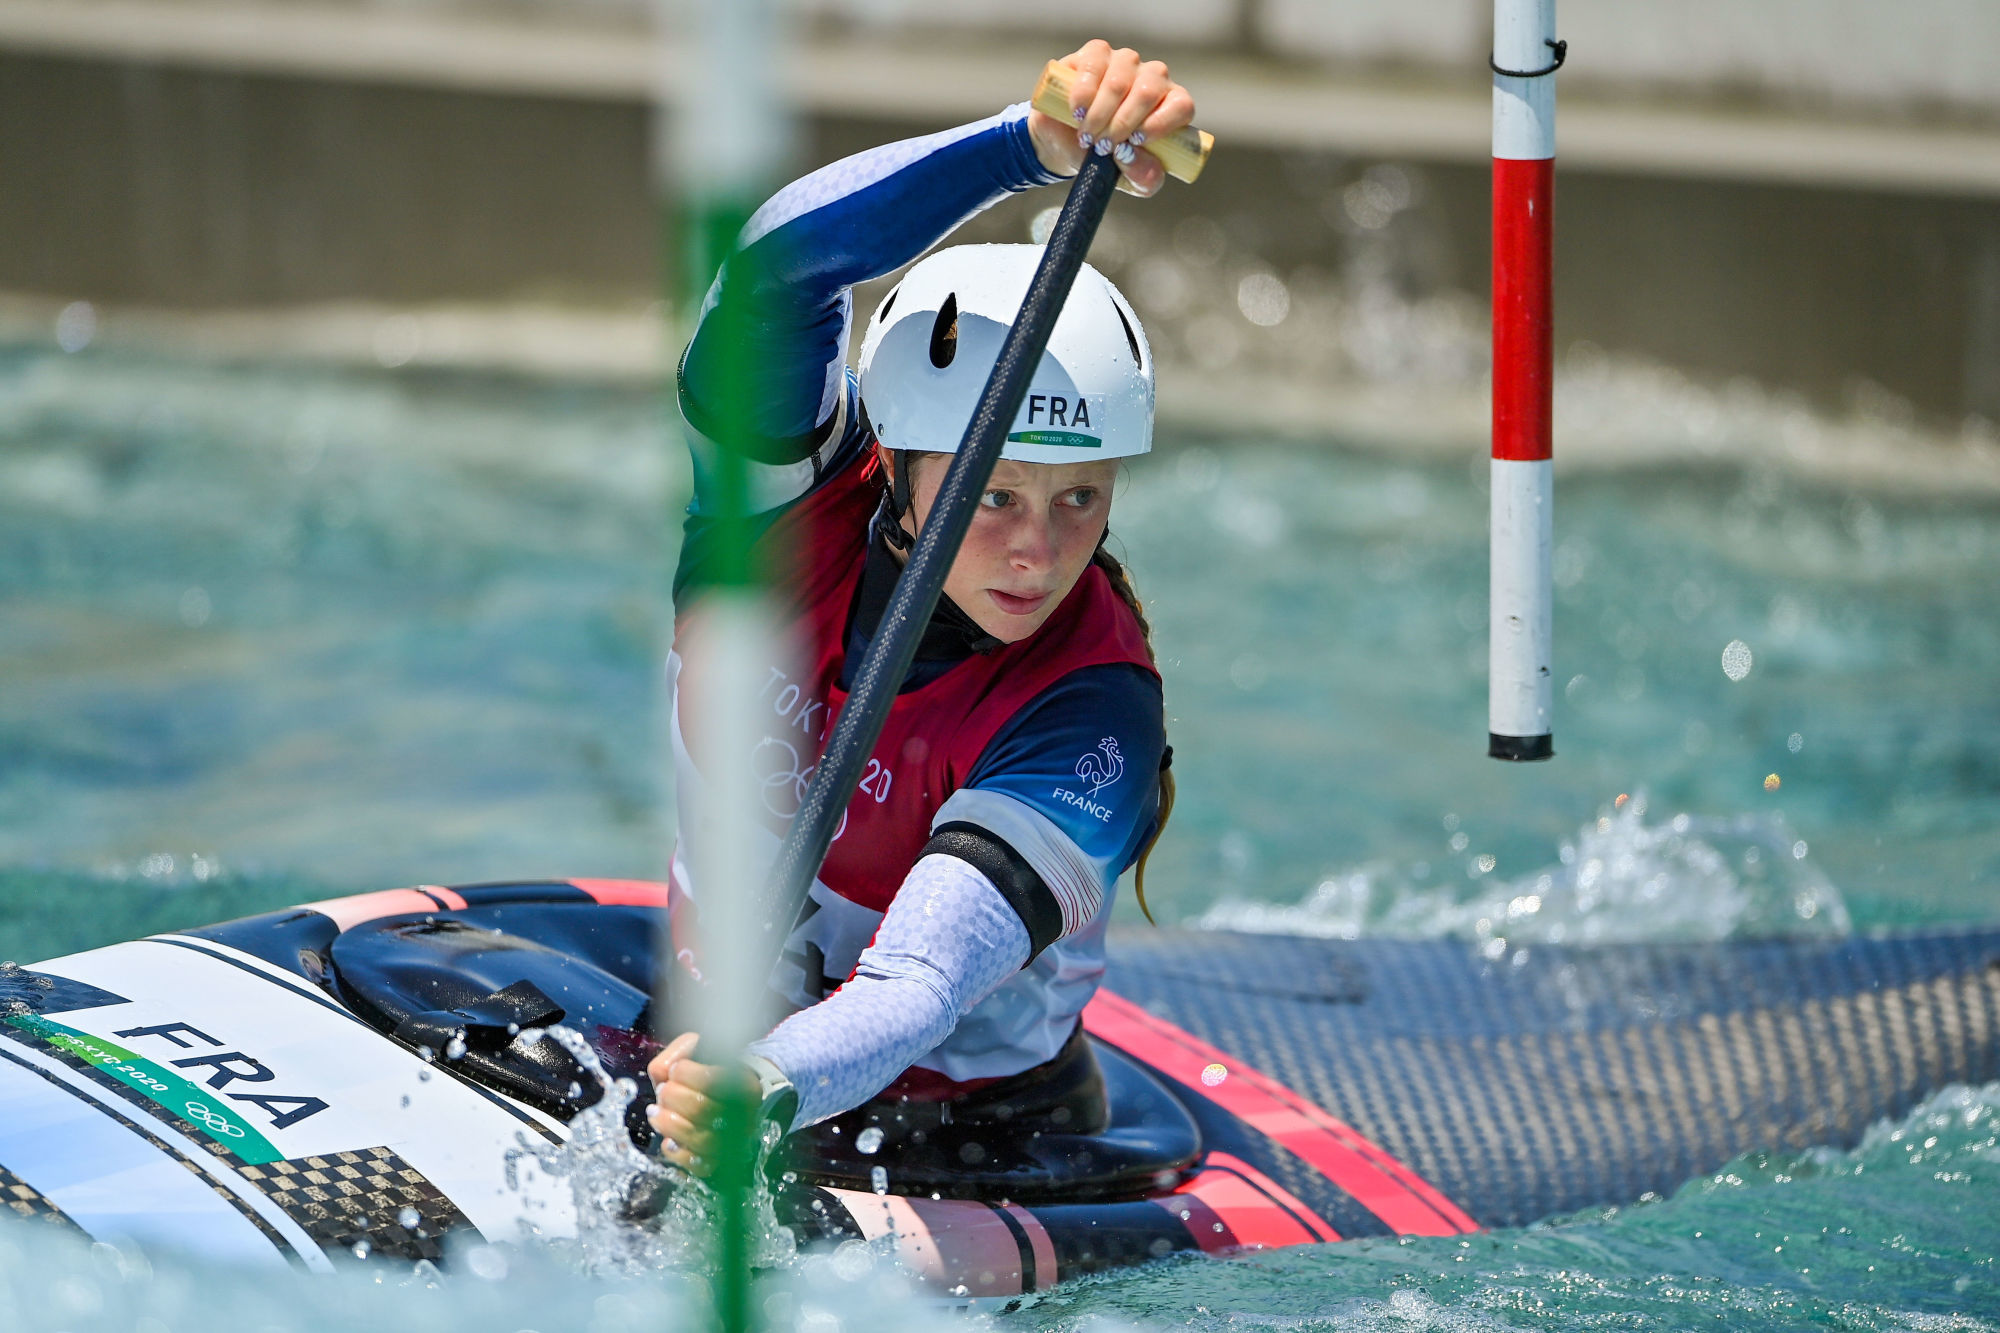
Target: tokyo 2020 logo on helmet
x: 931, y: 345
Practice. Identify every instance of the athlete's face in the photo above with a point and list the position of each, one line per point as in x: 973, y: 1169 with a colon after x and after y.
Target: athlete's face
x: 1029, y: 542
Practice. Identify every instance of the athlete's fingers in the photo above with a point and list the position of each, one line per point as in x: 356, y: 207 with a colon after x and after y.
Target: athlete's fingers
x: 1149, y: 85
x: 1088, y: 61
x: 660, y: 1068
x: 678, y: 1093
x: 683, y: 1159
x: 674, y: 1150
x: 1112, y: 88
x: 705, y: 1078
x: 677, y: 1128
x: 1174, y: 112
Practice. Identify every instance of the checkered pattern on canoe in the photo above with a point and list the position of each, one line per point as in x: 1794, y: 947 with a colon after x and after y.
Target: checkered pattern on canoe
x: 1556, y: 1079
x: 20, y: 1198
x: 346, y: 1197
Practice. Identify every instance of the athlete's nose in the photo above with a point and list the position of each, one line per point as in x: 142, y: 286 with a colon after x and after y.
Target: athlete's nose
x: 1033, y: 544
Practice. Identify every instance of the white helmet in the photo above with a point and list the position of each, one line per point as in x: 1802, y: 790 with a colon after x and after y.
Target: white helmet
x: 932, y: 343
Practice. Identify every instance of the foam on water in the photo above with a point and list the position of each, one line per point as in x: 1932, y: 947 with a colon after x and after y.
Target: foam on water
x: 1620, y: 879
x: 55, y: 1281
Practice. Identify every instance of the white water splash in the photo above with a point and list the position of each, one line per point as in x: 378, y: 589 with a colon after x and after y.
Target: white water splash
x: 1952, y: 1136
x: 612, y: 1182
x: 1620, y: 880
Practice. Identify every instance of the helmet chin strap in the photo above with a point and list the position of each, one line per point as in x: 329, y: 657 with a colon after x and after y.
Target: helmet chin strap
x: 899, y: 501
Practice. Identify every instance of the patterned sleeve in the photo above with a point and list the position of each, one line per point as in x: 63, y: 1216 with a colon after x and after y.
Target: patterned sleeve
x: 1064, y: 797
x: 947, y: 941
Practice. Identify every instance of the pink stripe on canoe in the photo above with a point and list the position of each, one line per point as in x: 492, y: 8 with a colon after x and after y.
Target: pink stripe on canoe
x: 1256, y: 1210
x: 350, y: 912
x: 623, y: 892
x: 1405, y: 1202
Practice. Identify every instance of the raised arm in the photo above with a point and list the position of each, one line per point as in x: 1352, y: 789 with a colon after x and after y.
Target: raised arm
x: 801, y: 254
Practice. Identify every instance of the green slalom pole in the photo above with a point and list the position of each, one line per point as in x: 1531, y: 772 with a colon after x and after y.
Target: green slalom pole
x: 732, y: 136
x: 732, y: 597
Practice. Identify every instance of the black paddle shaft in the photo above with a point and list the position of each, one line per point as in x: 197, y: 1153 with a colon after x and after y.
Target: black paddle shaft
x: 887, y: 662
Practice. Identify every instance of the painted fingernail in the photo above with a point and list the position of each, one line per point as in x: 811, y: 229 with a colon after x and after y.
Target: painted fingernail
x: 1138, y: 138
x: 1102, y: 147
x: 1083, y: 139
x: 1079, y: 112
x: 1125, y: 153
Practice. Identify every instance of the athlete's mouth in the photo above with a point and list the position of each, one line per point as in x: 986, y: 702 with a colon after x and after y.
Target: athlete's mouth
x: 1015, y: 605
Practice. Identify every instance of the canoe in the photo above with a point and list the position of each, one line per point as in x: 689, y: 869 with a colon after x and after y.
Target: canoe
x: 377, y: 1075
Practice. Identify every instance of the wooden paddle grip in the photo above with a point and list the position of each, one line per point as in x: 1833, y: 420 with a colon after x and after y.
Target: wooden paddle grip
x: 1183, y: 153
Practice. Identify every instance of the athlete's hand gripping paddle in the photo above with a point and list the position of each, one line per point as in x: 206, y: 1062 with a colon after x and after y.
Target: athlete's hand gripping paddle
x: 887, y: 662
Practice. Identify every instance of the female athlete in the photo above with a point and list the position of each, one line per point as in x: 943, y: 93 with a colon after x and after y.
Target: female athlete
x: 956, y: 929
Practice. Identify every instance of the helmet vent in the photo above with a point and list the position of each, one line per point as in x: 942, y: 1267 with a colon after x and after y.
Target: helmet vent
x: 944, y: 333
x: 1131, y: 338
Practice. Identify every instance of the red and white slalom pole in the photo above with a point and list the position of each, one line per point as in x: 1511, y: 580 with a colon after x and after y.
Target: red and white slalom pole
x: 1526, y: 55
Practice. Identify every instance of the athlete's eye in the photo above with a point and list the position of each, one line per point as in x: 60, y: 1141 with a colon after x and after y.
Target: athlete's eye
x: 1082, y: 497
x: 997, y: 499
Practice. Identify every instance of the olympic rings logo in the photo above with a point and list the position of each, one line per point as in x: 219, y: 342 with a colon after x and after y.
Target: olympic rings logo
x: 216, y: 1122
x: 782, y: 780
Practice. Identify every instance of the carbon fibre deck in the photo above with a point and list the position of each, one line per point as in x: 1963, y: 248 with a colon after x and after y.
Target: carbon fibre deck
x: 1556, y: 1079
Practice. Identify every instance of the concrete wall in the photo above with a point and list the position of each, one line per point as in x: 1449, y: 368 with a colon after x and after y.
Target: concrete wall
x: 138, y: 183
x: 1917, y: 55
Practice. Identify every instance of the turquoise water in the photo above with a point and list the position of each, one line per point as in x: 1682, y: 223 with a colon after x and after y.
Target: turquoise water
x: 267, y: 633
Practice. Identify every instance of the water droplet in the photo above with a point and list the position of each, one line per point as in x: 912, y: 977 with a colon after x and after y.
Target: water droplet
x: 1799, y: 850
x: 1212, y: 1075
x: 362, y: 1249
x: 879, y: 1178
x: 1795, y: 742
x: 1772, y: 782
x: 455, y: 1048
x: 408, y: 1218
x: 869, y: 1140
x: 1737, y: 660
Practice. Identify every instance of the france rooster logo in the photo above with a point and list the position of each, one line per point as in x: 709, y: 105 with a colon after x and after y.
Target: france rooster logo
x: 1102, y: 766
